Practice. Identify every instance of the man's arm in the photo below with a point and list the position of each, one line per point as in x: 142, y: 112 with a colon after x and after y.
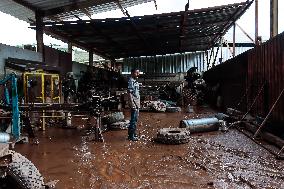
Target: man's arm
x: 130, y: 87
x: 130, y: 90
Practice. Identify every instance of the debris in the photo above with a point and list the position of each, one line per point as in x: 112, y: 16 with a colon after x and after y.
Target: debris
x: 119, y: 125
x: 173, y: 136
x: 173, y: 109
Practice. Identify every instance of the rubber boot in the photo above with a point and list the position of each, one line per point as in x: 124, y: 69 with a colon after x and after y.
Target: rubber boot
x: 131, y: 135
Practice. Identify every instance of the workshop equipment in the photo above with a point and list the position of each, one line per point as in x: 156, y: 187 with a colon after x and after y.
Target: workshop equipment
x: 12, y: 103
x: 41, y: 87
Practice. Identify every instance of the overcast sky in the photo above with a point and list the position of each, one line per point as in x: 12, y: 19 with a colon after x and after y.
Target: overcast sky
x: 15, y: 32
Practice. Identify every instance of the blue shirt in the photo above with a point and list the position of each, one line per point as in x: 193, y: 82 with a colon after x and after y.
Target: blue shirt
x: 133, y: 87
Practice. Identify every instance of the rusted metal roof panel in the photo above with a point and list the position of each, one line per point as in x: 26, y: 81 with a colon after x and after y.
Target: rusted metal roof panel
x: 61, y: 9
x: 169, y: 33
x: 16, y: 10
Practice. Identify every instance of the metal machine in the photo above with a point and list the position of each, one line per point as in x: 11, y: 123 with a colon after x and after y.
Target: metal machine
x: 41, y: 87
x: 12, y: 104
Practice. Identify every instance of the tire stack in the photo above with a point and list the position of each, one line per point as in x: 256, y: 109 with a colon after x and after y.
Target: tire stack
x: 173, y: 136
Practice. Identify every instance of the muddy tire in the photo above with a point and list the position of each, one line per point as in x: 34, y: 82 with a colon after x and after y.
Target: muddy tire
x: 122, y: 125
x: 23, y: 173
x: 173, y: 136
x: 173, y: 109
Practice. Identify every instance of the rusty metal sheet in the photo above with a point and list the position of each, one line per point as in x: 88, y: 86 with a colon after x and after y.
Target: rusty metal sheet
x: 251, y: 69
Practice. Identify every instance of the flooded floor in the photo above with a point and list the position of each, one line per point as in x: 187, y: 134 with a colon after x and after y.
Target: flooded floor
x: 211, y: 160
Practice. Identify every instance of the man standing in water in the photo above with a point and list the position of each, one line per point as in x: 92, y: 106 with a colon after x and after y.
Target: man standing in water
x: 134, y: 103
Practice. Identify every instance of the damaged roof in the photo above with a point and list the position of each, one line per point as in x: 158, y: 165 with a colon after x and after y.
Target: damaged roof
x: 59, y: 10
x: 185, y: 31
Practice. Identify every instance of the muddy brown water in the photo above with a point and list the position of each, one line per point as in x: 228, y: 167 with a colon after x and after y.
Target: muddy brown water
x: 209, y: 160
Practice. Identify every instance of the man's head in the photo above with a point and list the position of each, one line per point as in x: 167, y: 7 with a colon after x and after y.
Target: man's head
x: 135, y: 73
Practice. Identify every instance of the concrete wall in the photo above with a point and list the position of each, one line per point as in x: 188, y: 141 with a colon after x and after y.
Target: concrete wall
x: 14, y: 52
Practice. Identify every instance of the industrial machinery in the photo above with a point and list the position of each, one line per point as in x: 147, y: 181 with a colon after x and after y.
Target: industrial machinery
x: 11, y: 104
x: 16, y: 171
x: 41, y: 87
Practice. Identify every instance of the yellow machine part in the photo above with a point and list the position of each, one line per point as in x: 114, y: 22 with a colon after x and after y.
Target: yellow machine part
x: 41, y: 90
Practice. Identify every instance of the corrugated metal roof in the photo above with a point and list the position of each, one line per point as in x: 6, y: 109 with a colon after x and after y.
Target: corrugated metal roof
x: 185, y: 31
x: 26, y: 13
x: 16, y: 10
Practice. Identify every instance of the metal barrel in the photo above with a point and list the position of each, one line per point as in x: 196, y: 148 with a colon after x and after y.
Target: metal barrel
x: 200, y: 125
x: 5, y: 137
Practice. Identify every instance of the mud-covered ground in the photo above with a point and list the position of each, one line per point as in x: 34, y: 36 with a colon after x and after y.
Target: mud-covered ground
x: 211, y: 160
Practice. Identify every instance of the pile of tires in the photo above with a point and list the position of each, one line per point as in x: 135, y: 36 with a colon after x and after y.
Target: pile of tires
x: 156, y: 106
x: 173, y: 136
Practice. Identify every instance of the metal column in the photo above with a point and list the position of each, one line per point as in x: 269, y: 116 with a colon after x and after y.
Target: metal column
x: 39, y: 33
x: 273, y: 18
x: 70, y: 48
x: 234, y: 40
x: 91, y: 58
x: 256, y: 22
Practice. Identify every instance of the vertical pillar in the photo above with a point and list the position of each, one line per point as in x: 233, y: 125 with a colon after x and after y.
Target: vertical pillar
x: 91, y: 58
x: 39, y: 33
x: 234, y: 40
x: 256, y: 22
x: 273, y: 18
x: 221, y: 58
x: 70, y: 47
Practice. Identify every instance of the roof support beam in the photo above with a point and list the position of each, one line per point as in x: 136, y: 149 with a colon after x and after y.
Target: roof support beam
x: 182, y: 26
x: 87, y: 13
x: 76, y: 43
x: 245, y: 32
x: 133, y: 25
x: 230, y: 22
x: 74, y: 6
x: 26, y: 4
x: 55, y: 18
